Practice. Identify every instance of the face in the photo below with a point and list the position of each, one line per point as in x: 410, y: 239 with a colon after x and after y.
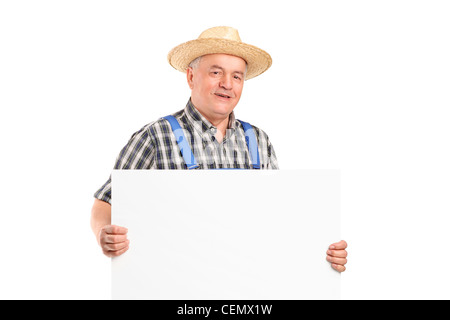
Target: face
x: 216, y: 85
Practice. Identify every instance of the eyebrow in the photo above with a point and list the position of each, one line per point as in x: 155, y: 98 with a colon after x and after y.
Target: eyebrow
x: 215, y: 66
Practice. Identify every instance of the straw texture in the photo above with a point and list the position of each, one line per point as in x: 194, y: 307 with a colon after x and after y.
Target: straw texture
x: 220, y: 40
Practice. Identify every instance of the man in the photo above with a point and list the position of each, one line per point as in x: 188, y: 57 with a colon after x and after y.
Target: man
x: 205, y: 134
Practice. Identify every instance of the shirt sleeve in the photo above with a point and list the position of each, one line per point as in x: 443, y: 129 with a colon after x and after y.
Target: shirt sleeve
x: 267, y: 152
x: 273, y: 162
x: 138, y: 153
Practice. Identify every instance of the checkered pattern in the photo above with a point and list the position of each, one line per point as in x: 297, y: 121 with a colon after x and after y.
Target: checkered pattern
x: 155, y: 147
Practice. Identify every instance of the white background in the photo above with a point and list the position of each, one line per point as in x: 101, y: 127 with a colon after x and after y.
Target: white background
x: 360, y: 86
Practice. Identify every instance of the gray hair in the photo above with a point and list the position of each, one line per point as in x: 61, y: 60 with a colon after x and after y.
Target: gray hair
x: 194, y: 64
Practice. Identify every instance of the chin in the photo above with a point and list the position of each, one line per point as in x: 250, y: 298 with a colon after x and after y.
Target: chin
x: 225, y: 107
x: 223, y: 110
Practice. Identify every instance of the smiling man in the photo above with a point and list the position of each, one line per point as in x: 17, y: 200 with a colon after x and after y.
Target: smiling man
x: 203, y: 135
x: 216, y: 81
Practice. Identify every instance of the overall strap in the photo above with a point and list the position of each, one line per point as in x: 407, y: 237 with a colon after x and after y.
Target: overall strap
x: 186, y: 151
x: 188, y: 156
x: 252, y: 144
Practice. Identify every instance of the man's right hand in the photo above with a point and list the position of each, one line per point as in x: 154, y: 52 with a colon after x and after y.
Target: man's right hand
x: 113, y: 240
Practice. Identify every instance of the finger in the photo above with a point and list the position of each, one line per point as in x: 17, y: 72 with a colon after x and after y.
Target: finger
x: 341, y: 245
x: 112, y: 238
x: 337, y: 253
x: 113, y: 229
x: 116, y: 246
x: 334, y: 260
x: 338, y: 267
x: 113, y: 254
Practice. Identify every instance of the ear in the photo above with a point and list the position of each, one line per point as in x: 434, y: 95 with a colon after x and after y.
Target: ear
x: 190, y: 77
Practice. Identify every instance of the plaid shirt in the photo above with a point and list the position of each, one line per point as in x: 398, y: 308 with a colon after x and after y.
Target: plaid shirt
x: 155, y: 147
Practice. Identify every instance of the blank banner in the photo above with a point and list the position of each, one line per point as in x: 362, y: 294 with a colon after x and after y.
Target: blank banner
x: 226, y: 234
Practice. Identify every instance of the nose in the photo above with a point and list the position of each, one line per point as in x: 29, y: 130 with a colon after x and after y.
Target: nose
x: 226, y: 83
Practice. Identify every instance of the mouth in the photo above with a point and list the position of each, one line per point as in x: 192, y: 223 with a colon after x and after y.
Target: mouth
x: 222, y: 95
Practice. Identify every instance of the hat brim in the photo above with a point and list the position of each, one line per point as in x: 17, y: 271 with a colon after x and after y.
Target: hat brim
x: 258, y: 61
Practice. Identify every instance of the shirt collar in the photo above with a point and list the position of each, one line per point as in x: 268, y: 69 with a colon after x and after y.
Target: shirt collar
x: 200, y: 123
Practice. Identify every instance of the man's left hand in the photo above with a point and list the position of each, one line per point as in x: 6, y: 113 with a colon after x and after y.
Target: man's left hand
x: 337, y: 255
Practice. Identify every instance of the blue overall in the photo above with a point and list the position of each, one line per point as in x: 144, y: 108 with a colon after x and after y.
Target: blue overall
x: 188, y: 156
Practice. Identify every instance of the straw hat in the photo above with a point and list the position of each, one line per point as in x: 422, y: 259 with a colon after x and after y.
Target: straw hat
x: 220, y: 40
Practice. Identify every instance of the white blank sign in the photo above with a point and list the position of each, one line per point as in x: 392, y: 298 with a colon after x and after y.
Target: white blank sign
x: 226, y: 234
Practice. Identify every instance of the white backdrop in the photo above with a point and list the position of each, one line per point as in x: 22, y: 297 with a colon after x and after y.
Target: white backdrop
x: 359, y: 86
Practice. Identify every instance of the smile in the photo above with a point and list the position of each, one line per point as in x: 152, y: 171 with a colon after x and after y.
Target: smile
x: 222, y: 95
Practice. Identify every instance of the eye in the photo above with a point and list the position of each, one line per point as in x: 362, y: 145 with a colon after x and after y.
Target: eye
x: 237, y: 77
